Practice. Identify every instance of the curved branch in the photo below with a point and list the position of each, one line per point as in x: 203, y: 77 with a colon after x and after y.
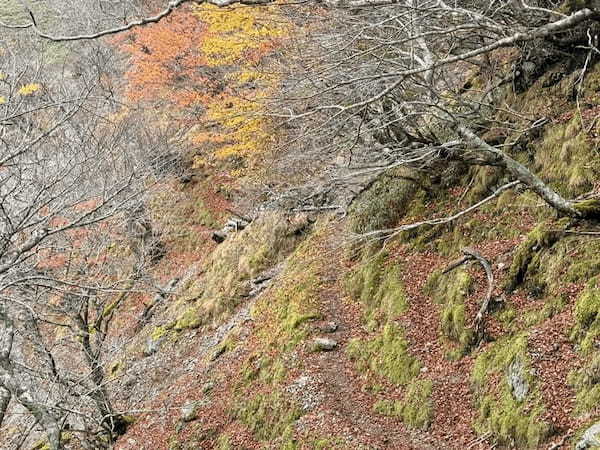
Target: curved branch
x: 473, y: 255
x: 173, y: 5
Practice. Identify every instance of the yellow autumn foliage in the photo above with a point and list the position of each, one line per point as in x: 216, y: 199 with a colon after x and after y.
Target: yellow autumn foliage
x: 241, y: 38
x: 232, y: 33
x: 29, y: 89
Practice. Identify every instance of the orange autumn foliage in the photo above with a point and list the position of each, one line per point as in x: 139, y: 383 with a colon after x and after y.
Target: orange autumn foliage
x: 209, y: 68
x: 164, y: 62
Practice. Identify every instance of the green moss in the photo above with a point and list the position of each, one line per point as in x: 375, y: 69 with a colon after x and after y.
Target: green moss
x: 329, y: 443
x: 587, y: 317
x: 158, y: 333
x: 450, y: 288
x: 376, y: 283
x: 291, y: 305
x: 384, y: 203
x: 387, y: 408
x: 510, y: 421
x: 589, y: 209
x: 527, y: 256
x: 386, y: 355
x: 571, y: 6
x: 586, y: 383
x: 506, y: 316
x: 204, y: 216
x: 513, y: 424
x: 270, y: 417
x: 226, y: 345
x: 451, y: 291
x: 189, y: 319
x: 114, y: 369
x: 498, y: 357
x: 222, y: 283
x: 415, y: 409
x: 567, y: 159
x: 65, y: 438
x: 223, y: 443
x: 110, y: 308
x: 295, y: 299
x: 264, y: 370
x: 484, y: 182
x: 454, y: 326
x: 577, y: 260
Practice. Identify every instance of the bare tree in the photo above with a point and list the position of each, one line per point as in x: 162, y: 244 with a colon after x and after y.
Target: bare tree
x: 98, y: 19
x: 71, y: 176
x: 381, y: 82
x: 385, y: 83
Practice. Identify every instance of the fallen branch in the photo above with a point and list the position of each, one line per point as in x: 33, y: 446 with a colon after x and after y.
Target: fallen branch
x: 473, y: 255
x: 580, y: 233
x: 391, y: 232
x: 560, y: 443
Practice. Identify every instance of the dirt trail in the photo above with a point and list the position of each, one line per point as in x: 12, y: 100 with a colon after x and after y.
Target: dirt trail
x: 346, y: 408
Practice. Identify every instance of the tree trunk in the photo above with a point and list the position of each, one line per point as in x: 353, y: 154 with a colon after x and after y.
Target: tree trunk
x: 4, y: 401
x: 524, y: 175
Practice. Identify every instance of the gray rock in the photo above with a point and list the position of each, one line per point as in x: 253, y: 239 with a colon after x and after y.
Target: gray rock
x: 590, y: 438
x: 328, y: 327
x: 323, y: 344
x: 207, y: 387
x: 189, y: 411
x: 152, y: 346
x: 517, y: 381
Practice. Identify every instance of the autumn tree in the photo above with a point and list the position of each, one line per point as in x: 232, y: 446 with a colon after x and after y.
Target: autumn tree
x: 207, y: 68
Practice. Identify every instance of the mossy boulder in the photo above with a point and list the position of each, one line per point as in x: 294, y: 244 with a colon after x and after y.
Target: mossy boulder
x: 527, y: 257
x: 385, y: 202
x: 451, y: 290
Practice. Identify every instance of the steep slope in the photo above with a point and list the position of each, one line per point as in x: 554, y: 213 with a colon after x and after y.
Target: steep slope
x: 293, y: 334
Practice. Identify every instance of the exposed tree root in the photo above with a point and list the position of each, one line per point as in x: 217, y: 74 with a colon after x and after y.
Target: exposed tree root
x: 473, y: 255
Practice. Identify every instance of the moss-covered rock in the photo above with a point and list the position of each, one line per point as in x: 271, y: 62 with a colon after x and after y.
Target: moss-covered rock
x: 385, y: 202
x: 451, y: 291
x: 566, y: 158
x: 526, y: 260
x: 512, y: 415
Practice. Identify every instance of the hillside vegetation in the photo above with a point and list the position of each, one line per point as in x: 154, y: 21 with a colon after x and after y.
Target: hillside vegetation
x: 339, y: 225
